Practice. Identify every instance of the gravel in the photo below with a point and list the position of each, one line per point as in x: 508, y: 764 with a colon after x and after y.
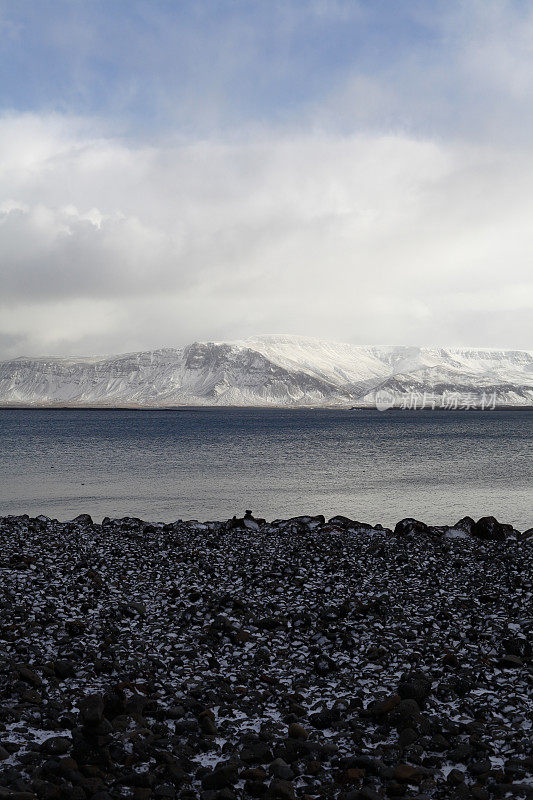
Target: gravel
x: 294, y: 659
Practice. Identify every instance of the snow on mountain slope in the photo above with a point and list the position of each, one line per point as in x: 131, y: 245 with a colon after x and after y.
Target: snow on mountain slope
x: 266, y: 370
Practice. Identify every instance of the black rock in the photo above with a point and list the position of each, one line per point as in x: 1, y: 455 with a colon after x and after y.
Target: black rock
x: 416, y: 686
x: 221, y: 777
x: 64, y: 669
x: 410, y: 526
x: 91, y: 709
x: 490, y: 529
x: 83, y: 519
x: 343, y: 522
x: 56, y: 745
x: 466, y: 524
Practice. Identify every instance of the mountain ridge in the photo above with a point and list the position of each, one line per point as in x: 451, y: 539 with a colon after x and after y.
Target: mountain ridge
x: 272, y: 370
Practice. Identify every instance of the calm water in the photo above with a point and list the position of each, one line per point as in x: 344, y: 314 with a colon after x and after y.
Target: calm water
x: 212, y: 463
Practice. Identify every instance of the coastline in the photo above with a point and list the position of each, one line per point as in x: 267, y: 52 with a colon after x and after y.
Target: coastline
x: 486, y: 528
x: 270, y: 407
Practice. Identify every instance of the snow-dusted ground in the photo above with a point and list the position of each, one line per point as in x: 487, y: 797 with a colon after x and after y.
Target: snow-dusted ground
x: 249, y: 659
x: 269, y: 370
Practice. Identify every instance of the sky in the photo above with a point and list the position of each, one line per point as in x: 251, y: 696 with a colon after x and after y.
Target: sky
x: 180, y: 170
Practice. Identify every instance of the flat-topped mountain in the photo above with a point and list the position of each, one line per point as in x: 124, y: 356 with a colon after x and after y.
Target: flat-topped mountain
x: 271, y: 371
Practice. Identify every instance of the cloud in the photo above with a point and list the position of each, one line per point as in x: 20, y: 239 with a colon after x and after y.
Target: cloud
x: 352, y: 170
x: 108, y: 245
x: 446, y: 68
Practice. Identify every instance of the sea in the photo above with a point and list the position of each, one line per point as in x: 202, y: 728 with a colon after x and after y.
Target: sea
x: 212, y: 463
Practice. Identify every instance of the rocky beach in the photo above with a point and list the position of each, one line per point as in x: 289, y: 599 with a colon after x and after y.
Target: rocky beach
x: 299, y: 658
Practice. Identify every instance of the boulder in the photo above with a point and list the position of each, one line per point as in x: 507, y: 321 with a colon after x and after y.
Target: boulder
x: 410, y: 526
x: 415, y: 686
x: 220, y: 777
x: 297, y: 731
x: 490, y: 529
x: 83, y: 519
x: 92, y: 709
x: 465, y: 524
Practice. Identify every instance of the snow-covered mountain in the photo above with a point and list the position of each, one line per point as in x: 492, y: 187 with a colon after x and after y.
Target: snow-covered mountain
x: 271, y: 371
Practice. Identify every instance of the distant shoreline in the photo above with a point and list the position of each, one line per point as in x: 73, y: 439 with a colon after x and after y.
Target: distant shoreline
x: 132, y: 407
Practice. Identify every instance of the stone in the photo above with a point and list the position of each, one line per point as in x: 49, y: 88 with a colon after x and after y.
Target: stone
x: 220, y: 777
x: 165, y: 790
x: 410, y: 526
x: 208, y: 725
x: 490, y: 529
x: 28, y: 675
x: 91, y: 709
x: 366, y: 793
x: 56, y: 745
x: 466, y: 524
x: 64, y: 669
x: 409, y: 773
x: 406, y: 737
x: 416, y: 686
x: 405, y: 714
x: 280, y: 790
x: 450, y: 660
x: 368, y: 604
x: 479, y: 793
x: 75, y: 627
x: 480, y: 767
x: 371, y: 765
x: 83, y: 519
x: 455, y: 777
x: 385, y: 706
x: 510, y: 662
x: 325, y: 719
x: 297, y: 731
x: 280, y: 769
x: 133, y: 608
